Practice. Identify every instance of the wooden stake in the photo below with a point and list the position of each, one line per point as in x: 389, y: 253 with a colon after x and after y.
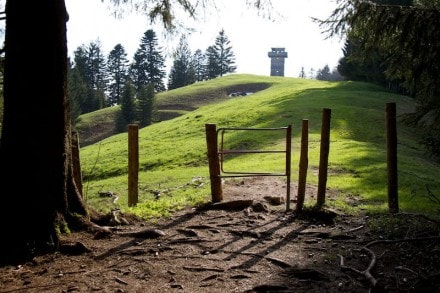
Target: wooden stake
x: 393, y: 201
x: 303, y: 164
x: 324, y: 152
x: 133, y: 164
x: 214, y: 165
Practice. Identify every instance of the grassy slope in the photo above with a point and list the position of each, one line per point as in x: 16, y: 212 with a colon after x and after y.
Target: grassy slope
x: 173, y: 153
x: 98, y: 125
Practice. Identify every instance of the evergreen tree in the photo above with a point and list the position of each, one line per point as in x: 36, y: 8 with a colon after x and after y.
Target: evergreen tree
x: 182, y: 72
x: 80, y: 63
x: 80, y: 78
x: 335, y: 75
x: 213, y: 68
x: 96, y: 66
x: 226, y: 58
x: 324, y: 73
x: 117, y: 68
x: 199, y: 63
x: 76, y: 92
x: 302, y: 73
x: 127, y: 114
x: 408, y: 35
x: 137, y: 73
x: 148, y: 64
x: 89, y: 62
x: 357, y: 66
x: 146, y: 108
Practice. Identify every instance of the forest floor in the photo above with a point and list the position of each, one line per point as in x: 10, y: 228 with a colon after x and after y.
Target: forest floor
x: 248, y: 243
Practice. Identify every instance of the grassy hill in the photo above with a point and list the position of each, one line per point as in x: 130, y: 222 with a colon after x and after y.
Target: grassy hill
x: 173, y: 158
x: 98, y: 125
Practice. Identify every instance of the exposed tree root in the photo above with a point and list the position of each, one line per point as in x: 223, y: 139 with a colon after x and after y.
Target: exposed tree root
x: 373, y: 258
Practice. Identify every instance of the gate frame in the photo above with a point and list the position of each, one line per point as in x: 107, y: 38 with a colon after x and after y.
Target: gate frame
x: 215, y: 159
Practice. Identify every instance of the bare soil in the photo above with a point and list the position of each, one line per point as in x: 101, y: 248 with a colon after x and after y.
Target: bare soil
x: 248, y: 243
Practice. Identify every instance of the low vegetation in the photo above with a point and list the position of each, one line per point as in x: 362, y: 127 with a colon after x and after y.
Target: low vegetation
x: 174, y: 173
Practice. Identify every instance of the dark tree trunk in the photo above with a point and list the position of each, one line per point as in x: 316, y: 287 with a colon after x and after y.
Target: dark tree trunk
x: 36, y: 182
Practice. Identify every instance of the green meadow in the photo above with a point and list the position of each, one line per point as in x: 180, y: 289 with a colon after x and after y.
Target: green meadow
x: 173, y: 153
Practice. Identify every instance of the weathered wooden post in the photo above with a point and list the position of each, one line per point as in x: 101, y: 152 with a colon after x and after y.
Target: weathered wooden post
x: 303, y: 164
x: 288, y: 163
x: 133, y: 164
x: 323, y: 159
x: 393, y: 201
x: 214, y: 165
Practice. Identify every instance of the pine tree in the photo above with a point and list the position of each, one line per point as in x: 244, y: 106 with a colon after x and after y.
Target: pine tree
x: 76, y: 92
x: 127, y: 114
x: 212, y: 64
x: 117, y: 68
x: 199, y: 63
x: 80, y: 74
x: 407, y: 33
x: 182, y: 72
x: 146, y: 108
x: 323, y: 73
x: 89, y: 62
x: 302, y: 73
x: 225, y: 54
x: 96, y: 66
x: 357, y: 66
x: 148, y: 64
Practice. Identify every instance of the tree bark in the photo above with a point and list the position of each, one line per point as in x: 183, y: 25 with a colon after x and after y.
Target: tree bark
x: 36, y: 171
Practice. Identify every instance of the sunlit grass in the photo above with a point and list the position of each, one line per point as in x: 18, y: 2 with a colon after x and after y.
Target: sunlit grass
x: 173, y: 152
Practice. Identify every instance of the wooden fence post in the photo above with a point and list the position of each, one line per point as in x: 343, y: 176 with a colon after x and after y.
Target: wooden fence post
x: 393, y: 201
x: 214, y: 165
x: 288, y: 163
x: 303, y: 164
x: 133, y: 164
x: 323, y: 159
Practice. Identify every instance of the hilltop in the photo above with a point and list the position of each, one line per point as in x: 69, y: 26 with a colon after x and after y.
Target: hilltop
x: 95, y: 126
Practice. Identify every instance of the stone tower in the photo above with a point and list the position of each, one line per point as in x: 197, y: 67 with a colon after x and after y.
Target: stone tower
x: 277, y: 56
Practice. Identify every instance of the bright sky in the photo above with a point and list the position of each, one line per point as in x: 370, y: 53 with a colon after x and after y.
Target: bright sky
x: 251, y: 36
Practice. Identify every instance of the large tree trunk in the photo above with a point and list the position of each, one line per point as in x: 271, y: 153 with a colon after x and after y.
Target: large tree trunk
x: 36, y: 182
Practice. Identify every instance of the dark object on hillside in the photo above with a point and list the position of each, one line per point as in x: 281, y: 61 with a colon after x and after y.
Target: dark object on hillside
x: 238, y: 94
x: 107, y: 194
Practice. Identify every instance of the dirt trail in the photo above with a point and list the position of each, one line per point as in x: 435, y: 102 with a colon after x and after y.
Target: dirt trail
x: 254, y: 248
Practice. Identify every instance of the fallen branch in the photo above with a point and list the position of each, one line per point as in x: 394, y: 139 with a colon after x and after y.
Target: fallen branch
x: 367, y: 272
x: 356, y: 229
x: 119, y: 280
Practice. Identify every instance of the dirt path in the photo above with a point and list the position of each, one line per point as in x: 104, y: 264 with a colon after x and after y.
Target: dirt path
x: 256, y: 248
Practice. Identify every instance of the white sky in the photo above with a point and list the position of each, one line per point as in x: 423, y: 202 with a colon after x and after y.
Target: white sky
x: 251, y: 36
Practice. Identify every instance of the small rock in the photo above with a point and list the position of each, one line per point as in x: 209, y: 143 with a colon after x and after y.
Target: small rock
x: 260, y: 207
